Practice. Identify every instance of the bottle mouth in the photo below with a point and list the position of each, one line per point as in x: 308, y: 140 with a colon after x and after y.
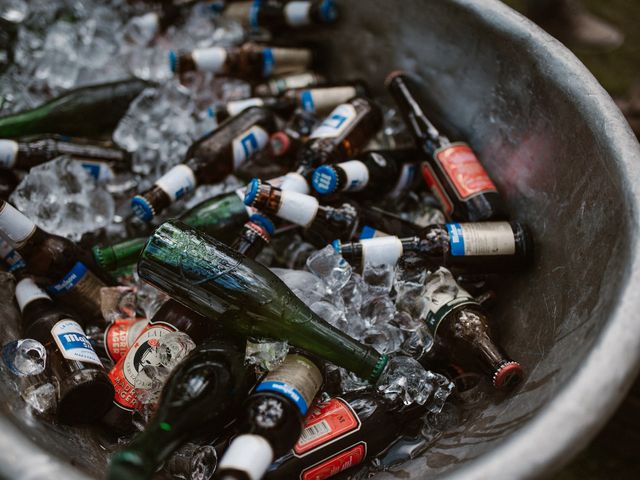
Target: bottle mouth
x: 508, y: 376
x: 325, y: 179
x: 142, y: 208
x: 252, y: 192
x: 280, y: 143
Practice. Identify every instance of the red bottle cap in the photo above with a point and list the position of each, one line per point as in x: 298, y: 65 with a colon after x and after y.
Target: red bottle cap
x: 508, y: 376
x: 280, y: 143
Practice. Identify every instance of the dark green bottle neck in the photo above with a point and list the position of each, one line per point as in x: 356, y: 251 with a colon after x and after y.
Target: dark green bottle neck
x: 23, y: 123
x: 118, y: 255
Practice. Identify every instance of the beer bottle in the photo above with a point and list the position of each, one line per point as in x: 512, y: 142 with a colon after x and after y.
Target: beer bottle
x: 272, y: 419
x: 99, y: 107
x: 371, y: 174
x: 212, y: 278
x: 202, y: 394
x: 461, y: 332
x: 8, y: 183
x: 249, y: 61
x: 452, y: 171
x: 340, y: 136
x: 74, y: 278
x: 85, y: 390
x: 277, y: 16
x: 221, y: 216
x: 341, y: 433
x: 277, y: 85
x: 11, y: 259
x: 26, y: 154
x: 119, y: 336
x: 321, y: 222
x: 286, y: 143
x: 209, y: 160
x: 172, y: 317
x: 485, y: 247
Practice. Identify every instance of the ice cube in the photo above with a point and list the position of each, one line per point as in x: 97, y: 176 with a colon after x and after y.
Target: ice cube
x: 265, y: 354
x: 142, y: 29
x: 417, y: 342
x: 173, y: 348
x: 379, y: 278
x: 42, y: 398
x: 13, y: 11
x: 149, y: 384
x: 330, y: 314
x: 353, y: 293
x: 118, y: 303
x: 379, y: 311
x: 305, y: 285
x: 149, y: 299
x: 61, y: 197
x: 330, y: 267
x: 405, y: 382
x: 385, y: 339
x: 25, y: 357
x: 193, y: 462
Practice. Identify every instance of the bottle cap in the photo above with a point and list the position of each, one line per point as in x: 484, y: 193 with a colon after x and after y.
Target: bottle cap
x: 337, y: 246
x: 325, y: 179
x: 173, y: 61
x: 252, y: 191
x: 328, y: 11
x: 264, y: 222
x: 142, y: 208
x: 508, y: 375
x: 104, y: 257
x: 393, y: 75
x: 280, y: 143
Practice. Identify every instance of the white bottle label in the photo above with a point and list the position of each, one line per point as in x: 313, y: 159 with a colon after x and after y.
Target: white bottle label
x: 209, y: 59
x: 73, y: 343
x: 298, y: 208
x: 298, y: 13
x: 381, y: 250
x: 336, y: 123
x: 247, y: 143
x: 27, y: 291
x: 320, y: 100
x: 14, y: 225
x: 357, y: 175
x: 8, y: 153
x: 300, y: 80
x: 237, y: 106
x: 486, y: 238
x: 177, y: 182
x: 407, y: 175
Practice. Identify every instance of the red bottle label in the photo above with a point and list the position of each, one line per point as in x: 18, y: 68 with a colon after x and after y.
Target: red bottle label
x: 436, y: 188
x: 325, y: 424
x: 464, y: 171
x: 339, y: 462
x: 123, y: 374
x: 120, y: 335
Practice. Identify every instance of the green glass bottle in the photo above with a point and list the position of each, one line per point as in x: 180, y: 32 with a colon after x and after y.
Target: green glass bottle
x: 85, y: 112
x: 213, y: 279
x: 203, y: 393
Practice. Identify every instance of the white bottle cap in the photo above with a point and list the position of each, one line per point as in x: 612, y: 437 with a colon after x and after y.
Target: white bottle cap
x: 298, y: 208
x: 209, y: 59
x: 247, y: 453
x: 14, y: 225
x: 27, y: 291
x: 8, y: 153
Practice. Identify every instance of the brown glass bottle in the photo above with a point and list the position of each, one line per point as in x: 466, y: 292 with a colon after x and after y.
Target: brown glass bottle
x: 73, y: 277
x: 461, y: 332
x: 8, y: 183
x: 278, y: 16
x: 249, y: 61
x: 286, y: 143
x: 451, y: 170
x: 85, y: 389
x: 208, y: 160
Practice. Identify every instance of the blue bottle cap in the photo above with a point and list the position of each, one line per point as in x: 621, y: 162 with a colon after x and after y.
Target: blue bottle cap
x: 325, y: 179
x: 173, y: 61
x: 264, y: 222
x: 337, y: 246
x: 252, y: 191
x: 328, y: 11
x: 142, y: 208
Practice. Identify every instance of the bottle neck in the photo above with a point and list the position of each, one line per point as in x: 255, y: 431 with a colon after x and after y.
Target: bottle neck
x: 16, y: 227
x: 23, y: 123
x: 251, y: 240
x: 118, y: 255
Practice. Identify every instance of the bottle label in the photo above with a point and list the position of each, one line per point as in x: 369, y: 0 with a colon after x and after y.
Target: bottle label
x: 357, y: 175
x: 301, y: 80
x: 237, y: 106
x: 323, y: 99
x: 405, y: 180
x: 339, y: 462
x: 120, y: 335
x: 463, y: 170
x: 336, y: 123
x: 370, y: 232
x: 325, y: 424
x: 247, y: 143
x: 444, y: 295
x: 14, y: 225
x: 486, y: 238
x: 84, y: 286
x: 70, y: 280
x: 177, y: 182
x: 100, y: 171
x: 296, y: 13
x: 281, y: 60
x: 209, y: 59
x: 123, y: 375
x: 8, y: 153
x: 383, y: 250
x: 297, y: 378
x: 297, y: 208
x: 27, y: 291
x: 436, y: 188
x: 73, y: 343
x: 11, y: 258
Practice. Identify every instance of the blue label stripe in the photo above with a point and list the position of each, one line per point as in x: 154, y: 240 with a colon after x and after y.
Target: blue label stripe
x: 456, y: 239
x: 287, y: 391
x: 267, y: 62
x: 253, y: 14
x: 69, y: 281
x: 367, y: 232
x: 307, y: 101
x: 93, y: 169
